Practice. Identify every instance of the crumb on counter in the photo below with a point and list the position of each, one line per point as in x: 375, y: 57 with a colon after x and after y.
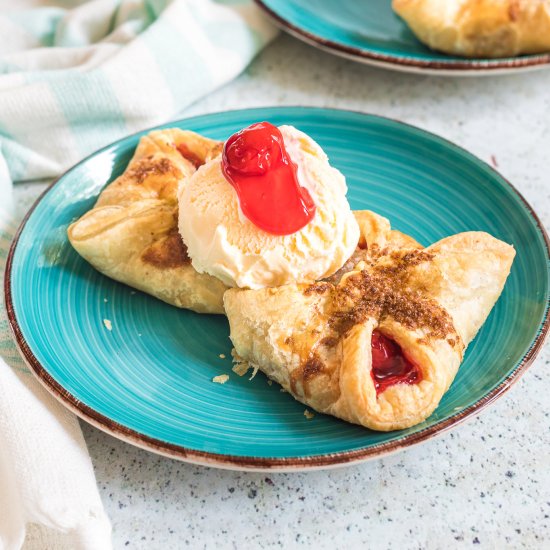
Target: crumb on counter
x: 308, y: 414
x: 221, y: 355
x: 220, y: 379
x: 108, y: 324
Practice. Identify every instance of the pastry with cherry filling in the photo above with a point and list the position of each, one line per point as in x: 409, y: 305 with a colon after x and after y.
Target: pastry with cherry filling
x: 131, y: 234
x: 381, y: 342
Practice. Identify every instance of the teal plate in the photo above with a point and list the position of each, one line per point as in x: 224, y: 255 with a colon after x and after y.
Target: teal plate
x: 370, y: 32
x: 149, y: 380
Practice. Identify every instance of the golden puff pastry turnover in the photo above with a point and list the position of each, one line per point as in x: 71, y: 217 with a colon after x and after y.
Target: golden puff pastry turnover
x: 131, y: 234
x: 380, y: 347
x: 479, y: 28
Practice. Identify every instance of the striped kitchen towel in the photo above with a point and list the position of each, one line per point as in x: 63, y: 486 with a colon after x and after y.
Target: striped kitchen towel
x: 72, y: 79
x: 77, y: 77
x: 48, y: 493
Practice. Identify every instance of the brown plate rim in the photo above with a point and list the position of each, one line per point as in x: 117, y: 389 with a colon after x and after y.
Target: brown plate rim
x: 234, y: 462
x: 471, y: 66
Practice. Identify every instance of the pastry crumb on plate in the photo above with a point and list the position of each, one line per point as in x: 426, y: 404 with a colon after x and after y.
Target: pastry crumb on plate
x: 220, y: 379
x: 240, y: 368
x: 108, y: 324
x: 254, y: 372
x: 308, y: 414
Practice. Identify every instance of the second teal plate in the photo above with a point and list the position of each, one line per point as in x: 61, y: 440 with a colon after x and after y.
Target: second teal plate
x: 370, y: 32
x: 149, y: 380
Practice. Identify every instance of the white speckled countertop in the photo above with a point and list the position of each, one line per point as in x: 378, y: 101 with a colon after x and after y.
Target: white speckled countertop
x: 484, y: 485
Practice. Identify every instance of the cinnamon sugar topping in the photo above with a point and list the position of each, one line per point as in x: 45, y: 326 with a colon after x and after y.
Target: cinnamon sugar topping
x: 168, y: 252
x: 385, y: 291
x: 391, y: 284
x: 312, y: 367
x: 320, y: 287
x: 147, y: 167
x: 308, y: 370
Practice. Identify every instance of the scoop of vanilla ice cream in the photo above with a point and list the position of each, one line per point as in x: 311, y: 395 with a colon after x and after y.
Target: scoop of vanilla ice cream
x: 222, y: 242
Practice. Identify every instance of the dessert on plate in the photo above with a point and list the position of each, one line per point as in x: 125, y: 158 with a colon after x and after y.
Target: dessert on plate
x: 381, y: 344
x: 479, y: 28
x: 351, y: 317
x: 131, y: 234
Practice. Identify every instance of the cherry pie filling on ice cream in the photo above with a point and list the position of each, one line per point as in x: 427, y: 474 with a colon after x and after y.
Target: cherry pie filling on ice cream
x: 257, y: 164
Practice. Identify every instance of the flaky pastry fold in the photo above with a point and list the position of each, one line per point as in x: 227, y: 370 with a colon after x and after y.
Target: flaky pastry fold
x: 315, y: 340
x: 479, y: 28
x: 131, y: 234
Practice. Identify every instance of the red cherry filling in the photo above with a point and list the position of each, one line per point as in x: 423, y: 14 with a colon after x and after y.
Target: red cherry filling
x: 256, y: 163
x: 189, y: 155
x: 389, y: 364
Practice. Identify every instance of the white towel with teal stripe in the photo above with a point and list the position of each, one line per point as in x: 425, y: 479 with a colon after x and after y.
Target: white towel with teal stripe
x: 72, y: 79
